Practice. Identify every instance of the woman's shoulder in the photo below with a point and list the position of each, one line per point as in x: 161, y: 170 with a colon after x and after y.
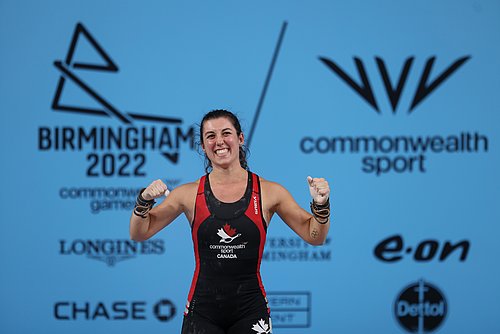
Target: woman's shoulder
x: 273, y: 193
x: 188, y: 188
x: 184, y: 194
x: 270, y: 186
x: 189, y: 185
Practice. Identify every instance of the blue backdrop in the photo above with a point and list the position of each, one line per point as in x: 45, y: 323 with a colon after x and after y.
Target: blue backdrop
x: 395, y: 103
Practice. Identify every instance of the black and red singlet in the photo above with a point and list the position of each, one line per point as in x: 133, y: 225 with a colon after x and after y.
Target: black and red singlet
x: 227, y: 295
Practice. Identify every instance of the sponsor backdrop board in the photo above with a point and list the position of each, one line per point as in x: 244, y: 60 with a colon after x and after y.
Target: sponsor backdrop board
x: 395, y: 103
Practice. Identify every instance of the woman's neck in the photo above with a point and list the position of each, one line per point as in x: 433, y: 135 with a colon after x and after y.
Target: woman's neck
x: 228, y: 175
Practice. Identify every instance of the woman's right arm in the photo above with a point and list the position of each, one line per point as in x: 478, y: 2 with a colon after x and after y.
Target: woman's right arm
x: 179, y: 200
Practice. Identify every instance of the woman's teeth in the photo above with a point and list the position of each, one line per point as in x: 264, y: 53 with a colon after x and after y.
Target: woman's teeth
x: 221, y: 152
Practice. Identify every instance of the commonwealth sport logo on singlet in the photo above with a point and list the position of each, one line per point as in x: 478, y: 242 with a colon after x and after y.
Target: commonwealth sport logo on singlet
x: 227, y: 233
x: 224, y: 248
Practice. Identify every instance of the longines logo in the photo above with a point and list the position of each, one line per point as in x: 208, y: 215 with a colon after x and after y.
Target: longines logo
x: 111, y: 251
x: 394, y: 92
x: 115, y: 151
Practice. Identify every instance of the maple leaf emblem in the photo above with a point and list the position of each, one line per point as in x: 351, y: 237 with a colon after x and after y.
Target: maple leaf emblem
x: 261, y: 327
x: 229, y: 230
x: 227, y: 234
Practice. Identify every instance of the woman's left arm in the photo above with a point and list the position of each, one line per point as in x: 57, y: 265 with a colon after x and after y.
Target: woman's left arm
x: 312, y: 228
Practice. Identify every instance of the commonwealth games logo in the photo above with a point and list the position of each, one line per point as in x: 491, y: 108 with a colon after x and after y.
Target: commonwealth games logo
x: 114, y: 151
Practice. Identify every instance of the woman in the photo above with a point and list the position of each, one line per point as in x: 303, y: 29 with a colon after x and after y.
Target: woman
x: 229, y: 210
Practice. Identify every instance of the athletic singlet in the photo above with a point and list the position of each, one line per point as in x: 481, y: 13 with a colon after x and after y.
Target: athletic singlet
x: 227, y: 295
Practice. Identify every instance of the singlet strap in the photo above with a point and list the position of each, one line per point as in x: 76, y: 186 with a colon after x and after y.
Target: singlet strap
x: 255, y: 207
x: 255, y: 183
x: 200, y: 208
x: 201, y: 186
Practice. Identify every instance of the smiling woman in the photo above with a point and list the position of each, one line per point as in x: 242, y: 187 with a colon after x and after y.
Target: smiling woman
x: 229, y: 210
x: 218, y: 120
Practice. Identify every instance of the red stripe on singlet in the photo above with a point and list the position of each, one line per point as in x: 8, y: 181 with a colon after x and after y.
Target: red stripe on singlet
x: 200, y: 214
x: 254, y: 213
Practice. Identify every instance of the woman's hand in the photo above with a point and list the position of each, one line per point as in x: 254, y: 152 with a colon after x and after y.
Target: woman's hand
x: 319, y: 189
x: 155, y: 190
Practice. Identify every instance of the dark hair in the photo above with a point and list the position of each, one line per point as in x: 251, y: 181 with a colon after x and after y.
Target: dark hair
x: 219, y: 113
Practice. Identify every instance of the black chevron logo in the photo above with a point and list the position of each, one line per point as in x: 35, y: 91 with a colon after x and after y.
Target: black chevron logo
x: 394, y: 91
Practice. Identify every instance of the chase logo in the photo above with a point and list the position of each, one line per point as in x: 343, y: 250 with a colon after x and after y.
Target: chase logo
x: 164, y: 310
x: 394, y: 90
x: 72, y: 310
x: 118, y: 150
x: 420, y: 307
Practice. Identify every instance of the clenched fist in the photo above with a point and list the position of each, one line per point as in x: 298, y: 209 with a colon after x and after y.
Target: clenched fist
x: 319, y: 189
x: 155, y: 190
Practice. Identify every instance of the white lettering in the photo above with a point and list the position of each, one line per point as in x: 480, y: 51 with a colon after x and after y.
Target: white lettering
x: 227, y: 256
x: 426, y: 309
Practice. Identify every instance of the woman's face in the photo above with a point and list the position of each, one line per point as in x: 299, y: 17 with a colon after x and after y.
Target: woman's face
x: 220, y: 142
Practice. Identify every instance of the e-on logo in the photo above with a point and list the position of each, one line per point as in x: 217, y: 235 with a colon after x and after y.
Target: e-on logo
x: 393, y: 249
x: 420, y: 307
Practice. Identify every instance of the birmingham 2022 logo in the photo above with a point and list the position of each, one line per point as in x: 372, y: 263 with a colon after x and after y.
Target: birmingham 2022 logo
x: 114, y: 151
x: 111, y: 147
x: 118, y: 149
